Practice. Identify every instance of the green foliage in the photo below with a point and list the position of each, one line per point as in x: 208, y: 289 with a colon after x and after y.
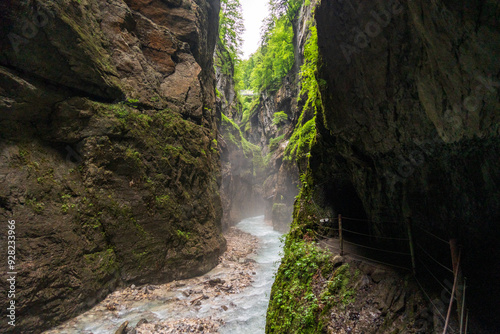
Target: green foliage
x: 294, y: 306
x: 233, y: 135
x: 183, y: 235
x: 231, y: 26
x: 308, y: 71
x: 279, y: 117
x: 305, y: 130
x: 267, y: 67
x: 274, y: 59
x: 248, y: 107
x: 285, y: 8
x: 271, y: 63
x: 300, y: 142
x: 37, y: 206
x: 243, y: 72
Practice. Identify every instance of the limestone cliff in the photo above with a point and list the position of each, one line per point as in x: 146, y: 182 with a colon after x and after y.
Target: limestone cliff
x: 408, y: 129
x: 242, y: 163
x: 109, y: 160
x: 411, y: 123
x: 279, y: 142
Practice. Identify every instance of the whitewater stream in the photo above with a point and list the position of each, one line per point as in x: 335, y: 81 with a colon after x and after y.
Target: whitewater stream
x: 247, y: 306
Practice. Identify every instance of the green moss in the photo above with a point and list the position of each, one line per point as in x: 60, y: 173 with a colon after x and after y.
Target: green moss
x: 300, y: 143
x: 91, y: 44
x: 102, y: 262
x: 295, y: 307
x: 248, y: 107
x: 233, y: 134
x: 169, y: 161
x: 163, y: 201
x: 307, y: 286
x: 279, y: 118
x: 37, y: 206
x: 215, y: 146
x: 305, y: 131
x: 135, y: 156
x: 65, y: 208
x: 309, y: 70
x: 182, y: 235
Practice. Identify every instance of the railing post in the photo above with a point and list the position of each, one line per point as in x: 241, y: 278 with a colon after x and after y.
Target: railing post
x: 463, y: 306
x: 467, y: 322
x: 455, y: 250
x: 341, y: 239
x: 412, y: 249
x: 452, y: 295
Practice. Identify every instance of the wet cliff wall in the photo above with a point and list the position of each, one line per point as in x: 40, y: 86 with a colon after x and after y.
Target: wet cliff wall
x: 242, y: 162
x: 280, y: 141
x: 408, y: 133
x: 109, y: 161
x: 410, y: 128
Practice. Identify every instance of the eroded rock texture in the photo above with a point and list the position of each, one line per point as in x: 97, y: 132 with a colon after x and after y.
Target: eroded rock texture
x: 242, y: 163
x: 281, y: 184
x: 411, y: 125
x: 108, y: 160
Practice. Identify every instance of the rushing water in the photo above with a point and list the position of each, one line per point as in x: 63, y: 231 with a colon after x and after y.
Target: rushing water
x: 248, y: 314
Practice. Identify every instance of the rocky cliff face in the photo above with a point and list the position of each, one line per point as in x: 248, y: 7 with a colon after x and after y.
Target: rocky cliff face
x: 411, y: 125
x: 109, y: 160
x: 281, y: 177
x: 282, y: 183
x: 242, y: 163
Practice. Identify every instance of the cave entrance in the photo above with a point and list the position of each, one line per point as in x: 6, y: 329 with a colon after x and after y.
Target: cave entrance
x: 341, y: 196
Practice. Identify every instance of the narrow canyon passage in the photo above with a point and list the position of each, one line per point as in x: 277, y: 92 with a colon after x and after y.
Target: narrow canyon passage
x: 138, y: 137
x: 232, y: 298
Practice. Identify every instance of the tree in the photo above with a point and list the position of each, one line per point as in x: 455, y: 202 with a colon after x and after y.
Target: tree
x: 231, y: 27
x: 275, y: 57
x: 285, y: 8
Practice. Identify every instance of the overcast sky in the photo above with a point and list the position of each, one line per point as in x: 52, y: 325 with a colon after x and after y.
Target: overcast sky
x: 254, y: 11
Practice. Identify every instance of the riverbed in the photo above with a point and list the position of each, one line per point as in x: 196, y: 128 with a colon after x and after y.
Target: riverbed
x: 232, y: 298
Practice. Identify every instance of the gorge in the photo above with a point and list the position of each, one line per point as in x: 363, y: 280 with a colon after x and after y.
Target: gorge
x: 128, y: 152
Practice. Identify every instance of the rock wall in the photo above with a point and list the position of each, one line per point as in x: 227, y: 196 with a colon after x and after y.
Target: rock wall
x: 282, y: 182
x: 242, y: 176
x: 242, y: 164
x: 410, y: 129
x: 281, y: 177
x: 109, y: 161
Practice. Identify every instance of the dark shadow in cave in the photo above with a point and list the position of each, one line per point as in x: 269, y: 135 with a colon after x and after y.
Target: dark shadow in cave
x: 341, y: 196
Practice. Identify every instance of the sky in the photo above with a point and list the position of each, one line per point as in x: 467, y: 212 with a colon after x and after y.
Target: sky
x: 254, y: 12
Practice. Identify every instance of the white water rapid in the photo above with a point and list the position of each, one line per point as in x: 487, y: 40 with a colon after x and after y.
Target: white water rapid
x: 247, y: 313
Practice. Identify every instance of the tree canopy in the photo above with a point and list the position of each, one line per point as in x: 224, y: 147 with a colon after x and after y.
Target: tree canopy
x: 231, y: 27
x: 273, y: 60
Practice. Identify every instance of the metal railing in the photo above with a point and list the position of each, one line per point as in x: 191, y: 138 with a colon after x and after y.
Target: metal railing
x: 403, y: 248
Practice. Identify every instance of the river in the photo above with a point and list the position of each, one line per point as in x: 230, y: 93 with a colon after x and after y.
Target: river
x: 247, y: 306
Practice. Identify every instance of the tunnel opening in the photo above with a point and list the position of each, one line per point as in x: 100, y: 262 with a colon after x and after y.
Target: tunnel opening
x: 342, y: 198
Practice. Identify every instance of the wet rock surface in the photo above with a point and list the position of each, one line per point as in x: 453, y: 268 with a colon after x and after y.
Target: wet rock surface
x: 241, y: 188
x: 410, y: 126
x: 108, y: 156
